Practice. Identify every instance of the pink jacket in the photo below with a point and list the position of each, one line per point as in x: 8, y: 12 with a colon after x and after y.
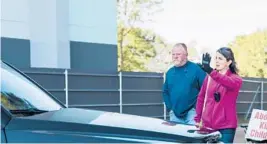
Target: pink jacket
x: 222, y: 114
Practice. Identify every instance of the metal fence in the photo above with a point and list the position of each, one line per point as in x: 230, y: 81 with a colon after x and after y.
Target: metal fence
x: 256, y: 91
x: 130, y: 92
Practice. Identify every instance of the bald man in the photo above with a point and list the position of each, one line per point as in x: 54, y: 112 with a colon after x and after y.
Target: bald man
x: 182, y: 85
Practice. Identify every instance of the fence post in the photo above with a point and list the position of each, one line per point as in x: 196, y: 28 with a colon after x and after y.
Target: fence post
x: 66, y: 88
x: 120, y: 80
x: 164, y: 110
x: 251, y: 104
x: 262, y: 91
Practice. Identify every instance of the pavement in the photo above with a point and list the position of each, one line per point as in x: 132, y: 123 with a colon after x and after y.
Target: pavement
x: 240, y: 136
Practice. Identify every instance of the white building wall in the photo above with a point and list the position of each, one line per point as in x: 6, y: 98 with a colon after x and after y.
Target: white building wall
x: 63, y: 38
x: 93, y: 21
x: 15, y: 19
x: 50, y: 25
x: 43, y: 33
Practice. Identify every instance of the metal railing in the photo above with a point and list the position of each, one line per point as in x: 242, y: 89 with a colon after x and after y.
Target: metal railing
x: 66, y: 88
x: 120, y: 90
x: 260, y: 90
x: 252, y: 102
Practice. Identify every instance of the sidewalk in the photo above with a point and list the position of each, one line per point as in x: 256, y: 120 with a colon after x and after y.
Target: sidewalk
x: 239, y: 136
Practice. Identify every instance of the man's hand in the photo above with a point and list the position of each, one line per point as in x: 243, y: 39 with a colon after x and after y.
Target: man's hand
x: 206, y: 63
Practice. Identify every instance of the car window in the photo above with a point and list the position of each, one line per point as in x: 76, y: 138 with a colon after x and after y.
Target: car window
x: 19, y: 93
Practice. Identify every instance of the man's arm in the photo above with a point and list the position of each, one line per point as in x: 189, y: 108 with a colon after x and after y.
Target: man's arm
x: 166, y: 94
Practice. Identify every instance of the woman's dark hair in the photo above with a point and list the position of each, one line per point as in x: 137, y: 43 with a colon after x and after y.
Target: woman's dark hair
x: 229, y: 55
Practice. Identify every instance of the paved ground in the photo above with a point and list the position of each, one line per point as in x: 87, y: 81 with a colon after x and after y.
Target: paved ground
x: 239, y: 136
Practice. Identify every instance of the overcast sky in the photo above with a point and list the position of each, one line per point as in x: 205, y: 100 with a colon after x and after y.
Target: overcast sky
x: 212, y: 23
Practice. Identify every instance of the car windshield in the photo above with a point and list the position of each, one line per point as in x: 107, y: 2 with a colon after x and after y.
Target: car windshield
x: 19, y: 93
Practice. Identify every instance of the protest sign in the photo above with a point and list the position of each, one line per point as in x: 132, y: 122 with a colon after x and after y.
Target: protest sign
x: 257, y: 127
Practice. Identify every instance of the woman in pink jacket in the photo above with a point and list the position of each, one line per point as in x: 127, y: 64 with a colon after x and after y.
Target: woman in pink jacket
x: 216, y: 103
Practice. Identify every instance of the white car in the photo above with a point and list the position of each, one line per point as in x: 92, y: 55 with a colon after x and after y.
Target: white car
x: 30, y: 114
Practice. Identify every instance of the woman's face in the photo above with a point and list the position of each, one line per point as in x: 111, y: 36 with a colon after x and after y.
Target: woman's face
x: 221, y: 62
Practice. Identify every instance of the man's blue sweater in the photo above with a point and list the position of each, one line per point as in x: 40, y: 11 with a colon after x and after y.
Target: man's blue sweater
x: 181, y: 87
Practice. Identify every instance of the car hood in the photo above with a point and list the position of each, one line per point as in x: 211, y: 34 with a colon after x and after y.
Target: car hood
x: 111, y: 119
